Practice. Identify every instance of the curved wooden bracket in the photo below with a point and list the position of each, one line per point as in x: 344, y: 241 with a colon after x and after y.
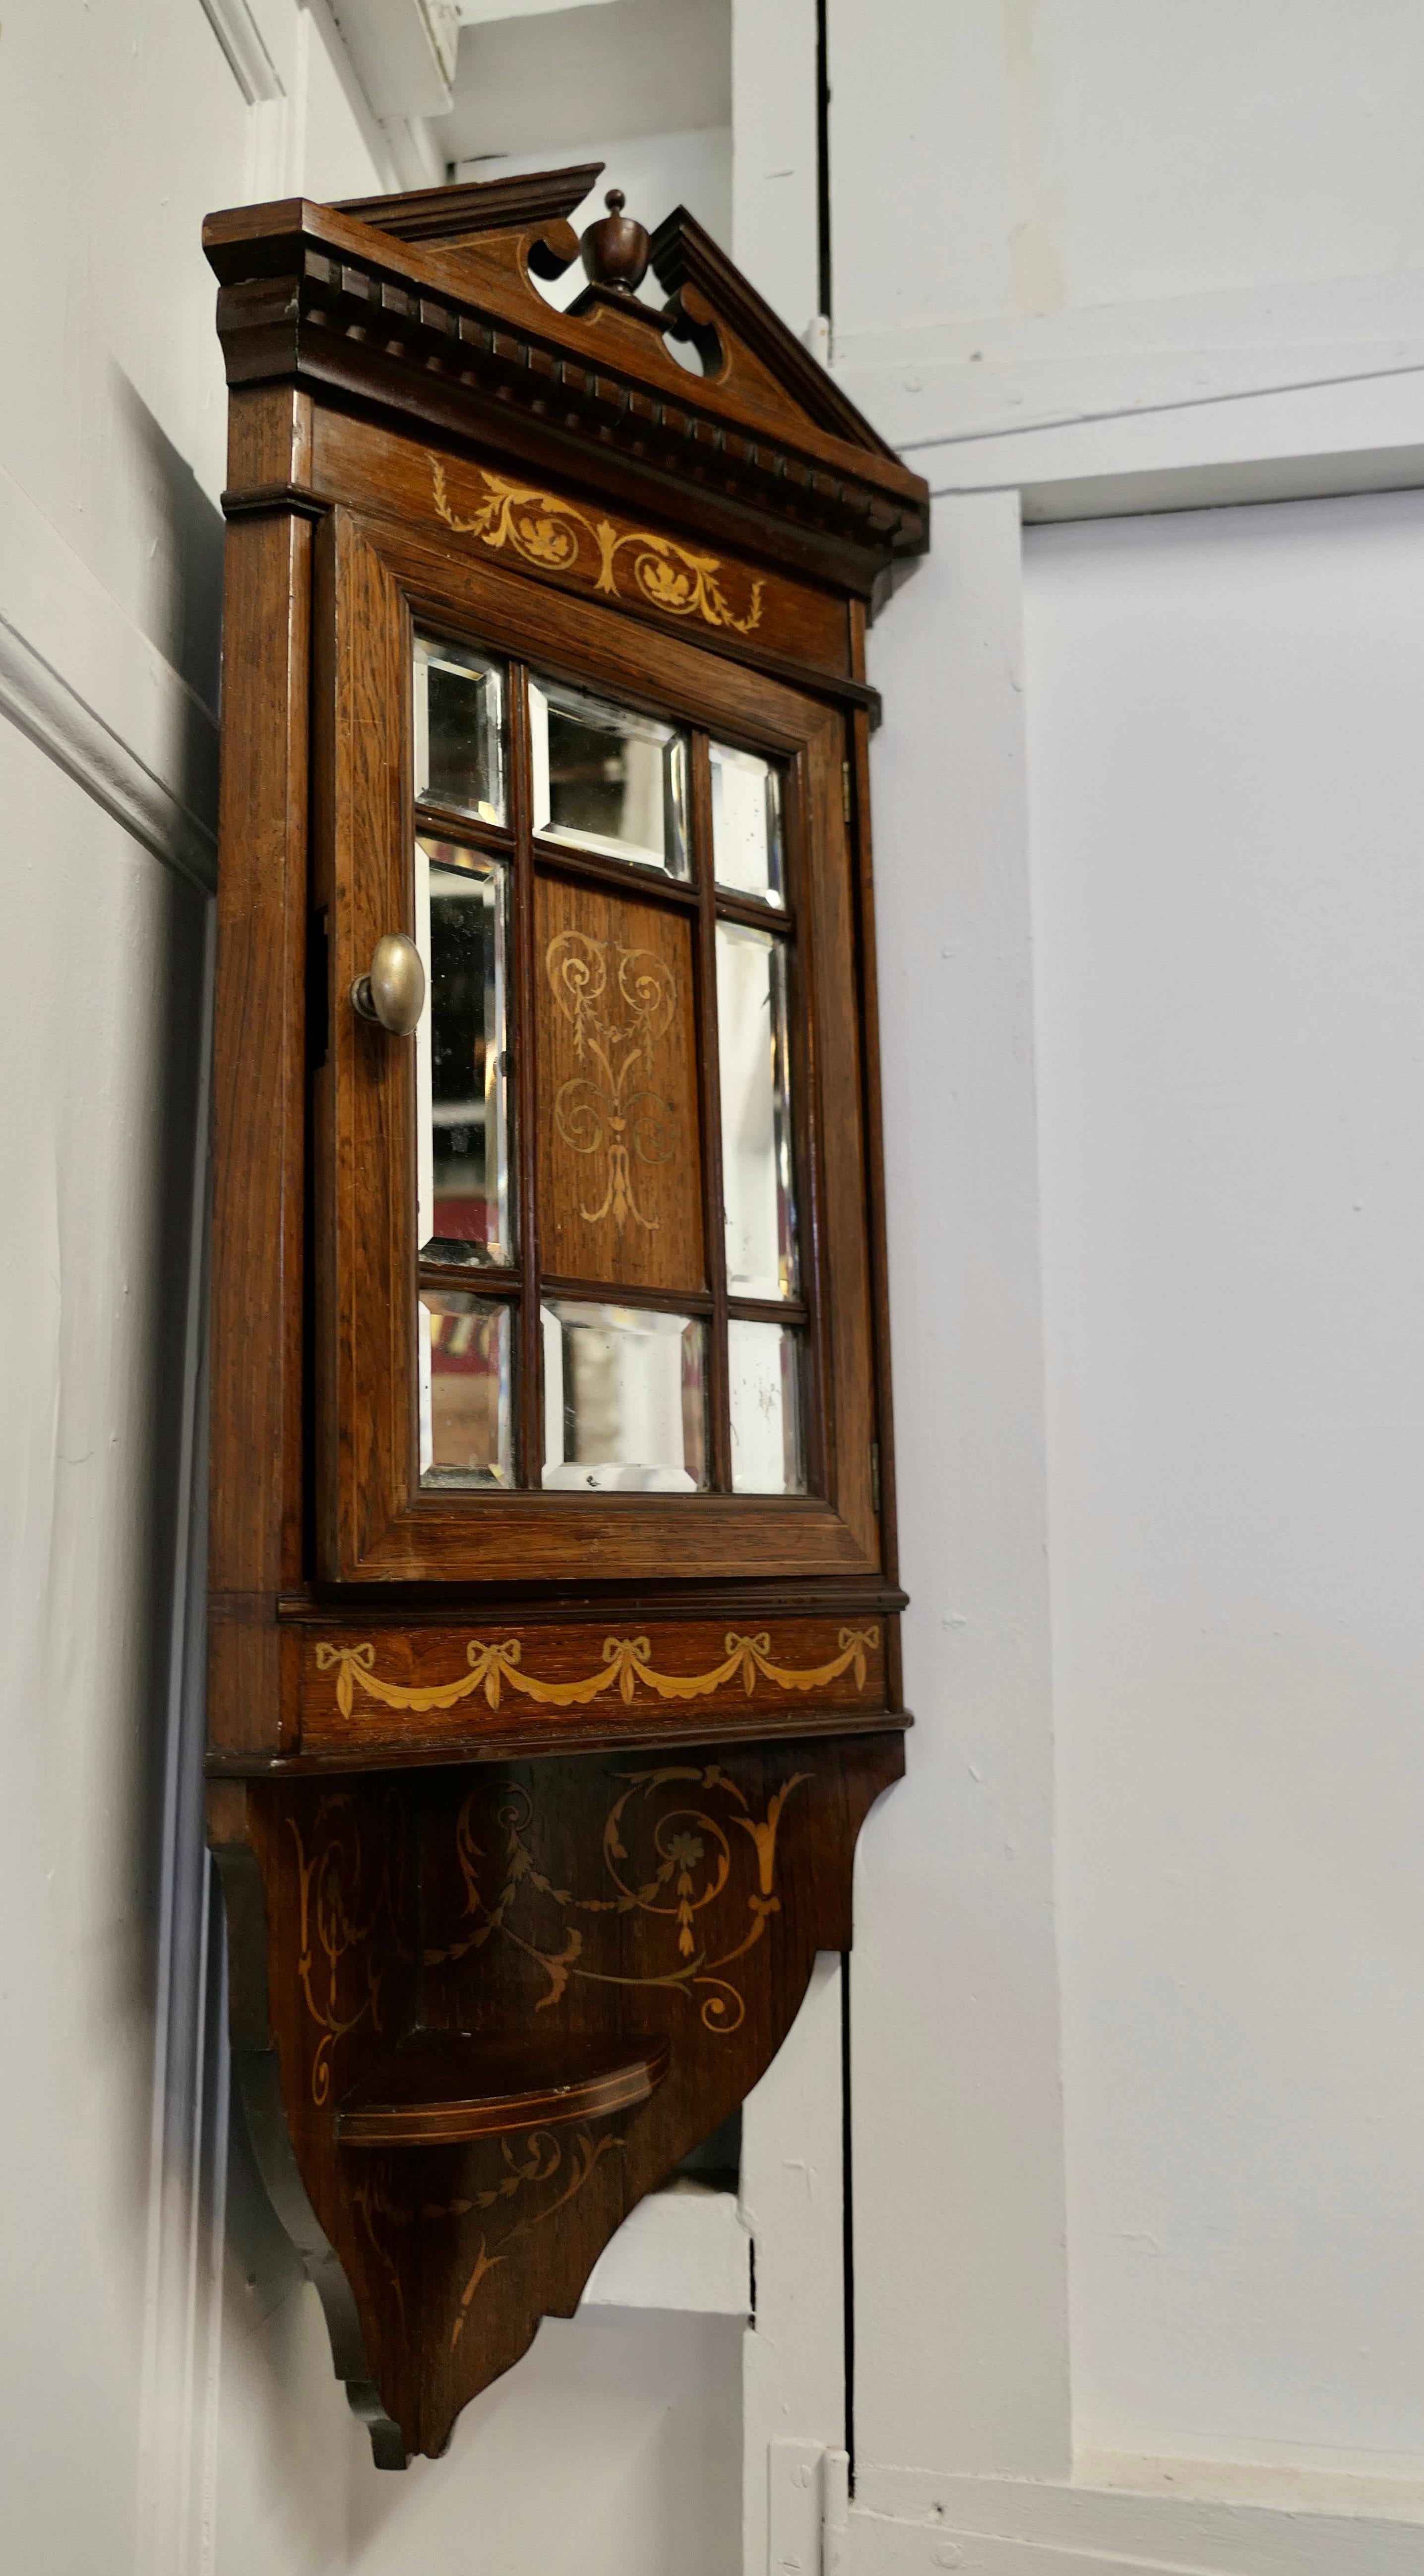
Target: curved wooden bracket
x: 478, y: 2012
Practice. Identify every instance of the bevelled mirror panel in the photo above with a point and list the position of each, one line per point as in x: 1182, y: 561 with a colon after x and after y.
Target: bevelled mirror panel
x: 625, y: 1401
x: 466, y: 1365
x: 459, y: 729
x: 757, y: 1180
x: 766, y: 1369
x: 746, y: 823
x: 462, y: 1057
x: 606, y: 779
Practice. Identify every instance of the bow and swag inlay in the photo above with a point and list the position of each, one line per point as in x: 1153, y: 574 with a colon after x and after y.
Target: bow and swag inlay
x: 552, y: 535
x: 619, y: 1002
x: 671, y: 1846
x: 626, y: 1667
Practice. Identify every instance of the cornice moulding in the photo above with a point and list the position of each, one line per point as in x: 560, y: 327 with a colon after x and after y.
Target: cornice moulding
x: 452, y: 332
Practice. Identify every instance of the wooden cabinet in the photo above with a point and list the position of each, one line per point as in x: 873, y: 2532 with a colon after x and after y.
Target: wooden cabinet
x: 554, y: 1658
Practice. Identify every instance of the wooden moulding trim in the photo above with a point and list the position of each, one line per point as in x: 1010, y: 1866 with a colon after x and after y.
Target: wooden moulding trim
x: 462, y: 213
x: 311, y: 274
x: 440, y: 2087
x: 682, y: 254
x: 531, y: 1739
x: 260, y: 254
x: 559, y: 442
x: 454, y: 1605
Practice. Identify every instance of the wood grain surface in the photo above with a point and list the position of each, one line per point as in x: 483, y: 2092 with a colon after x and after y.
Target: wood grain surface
x: 620, y: 1160
x: 681, y: 1903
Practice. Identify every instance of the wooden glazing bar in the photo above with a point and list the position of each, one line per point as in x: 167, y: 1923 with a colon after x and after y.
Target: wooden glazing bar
x: 769, y: 1310
x: 523, y: 1046
x: 806, y: 1176
x: 778, y: 918
x: 451, y: 1276
x: 874, y: 1129
x: 666, y: 1301
x: 623, y: 876
x: 719, y: 1408
x: 445, y: 823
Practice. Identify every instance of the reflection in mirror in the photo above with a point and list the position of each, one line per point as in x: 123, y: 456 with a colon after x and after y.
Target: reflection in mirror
x: 756, y: 1112
x: 466, y: 1359
x: 625, y: 1405
x: 766, y: 1369
x: 607, y: 780
x: 462, y: 1056
x: 459, y: 729
x: 746, y: 823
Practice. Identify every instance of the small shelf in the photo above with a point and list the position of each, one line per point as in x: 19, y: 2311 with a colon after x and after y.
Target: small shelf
x: 438, y: 2087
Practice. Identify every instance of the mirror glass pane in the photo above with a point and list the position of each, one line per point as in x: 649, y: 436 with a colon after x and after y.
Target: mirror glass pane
x: 462, y: 1056
x: 607, y: 780
x: 625, y: 1402
x: 756, y: 1113
x: 746, y: 823
x: 766, y: 1369
x: 466, y: 1352
x: 459, y: 729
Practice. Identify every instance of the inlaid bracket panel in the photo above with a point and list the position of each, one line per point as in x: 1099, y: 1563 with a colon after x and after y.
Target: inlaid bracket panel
x: 498, y: 2005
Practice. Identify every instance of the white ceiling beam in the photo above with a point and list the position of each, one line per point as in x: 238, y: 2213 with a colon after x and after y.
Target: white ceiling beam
x: 403, y: 51
x: 481, y: 13
x: 242, y: 41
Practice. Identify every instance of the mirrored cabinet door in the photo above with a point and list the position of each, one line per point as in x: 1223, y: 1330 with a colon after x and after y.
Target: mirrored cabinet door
x: 586, y: 1208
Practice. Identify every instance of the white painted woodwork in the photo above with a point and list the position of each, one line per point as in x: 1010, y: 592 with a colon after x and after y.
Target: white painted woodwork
x: 404, y: 52
x: 88, y: 685
x: 479, y: 13
x: 961, y: 2297
x: 240, y: 36
x: 775, y: 217
x: 792, y: 2192
x: 686, y: 2248
x: 1227, y: 779
x: 635, y: 67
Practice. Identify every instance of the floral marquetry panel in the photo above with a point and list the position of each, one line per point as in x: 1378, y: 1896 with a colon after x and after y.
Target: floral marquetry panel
x: 671, y: 1906
x: 541, y: 526
x: 620, y: 1160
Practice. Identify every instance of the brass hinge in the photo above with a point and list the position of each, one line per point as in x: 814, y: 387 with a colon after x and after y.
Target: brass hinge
x: 875, y: 1476
x: 845, y: 790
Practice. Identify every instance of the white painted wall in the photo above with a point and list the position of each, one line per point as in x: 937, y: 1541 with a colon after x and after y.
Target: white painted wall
x: 99, y: 1080
x: 1091, y: 258
x: 1226, y: 787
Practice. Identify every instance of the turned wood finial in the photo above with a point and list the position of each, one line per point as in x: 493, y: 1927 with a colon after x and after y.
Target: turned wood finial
x: 615, y: 250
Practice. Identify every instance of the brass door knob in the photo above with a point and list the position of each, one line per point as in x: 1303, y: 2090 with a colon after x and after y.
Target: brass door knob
x: 392, y: 995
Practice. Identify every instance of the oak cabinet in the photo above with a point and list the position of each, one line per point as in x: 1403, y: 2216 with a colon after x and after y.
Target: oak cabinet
x: 553, y: 1610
